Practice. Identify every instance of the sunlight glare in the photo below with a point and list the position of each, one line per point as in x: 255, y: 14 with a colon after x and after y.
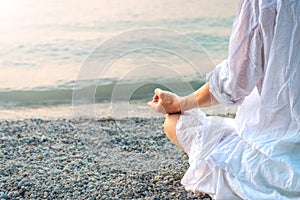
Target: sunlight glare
x: 8, y: 8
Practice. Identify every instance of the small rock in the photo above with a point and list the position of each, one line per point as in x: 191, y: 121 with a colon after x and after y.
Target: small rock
x: 184, y: 157
x: 157, y: 178
x: 5, y: 197
x: 43, y: 138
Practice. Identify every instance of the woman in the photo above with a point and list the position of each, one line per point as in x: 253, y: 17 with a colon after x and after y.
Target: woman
x: 256, y: 155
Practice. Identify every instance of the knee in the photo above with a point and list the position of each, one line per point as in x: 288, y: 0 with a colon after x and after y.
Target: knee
x: 166, y: 124
x: 170, y: 126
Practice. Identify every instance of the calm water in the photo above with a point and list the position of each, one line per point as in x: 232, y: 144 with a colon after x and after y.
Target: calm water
x: 45, y: 44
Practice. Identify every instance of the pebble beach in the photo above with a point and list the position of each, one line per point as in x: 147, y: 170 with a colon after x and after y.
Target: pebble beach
x: 90, y: 159
x: 68, y: 129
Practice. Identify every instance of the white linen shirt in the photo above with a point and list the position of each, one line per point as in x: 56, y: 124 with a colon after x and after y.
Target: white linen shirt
x: 262, y: 76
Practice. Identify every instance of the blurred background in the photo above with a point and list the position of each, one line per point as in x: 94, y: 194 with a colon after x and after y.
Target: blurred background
x: 44, y: 44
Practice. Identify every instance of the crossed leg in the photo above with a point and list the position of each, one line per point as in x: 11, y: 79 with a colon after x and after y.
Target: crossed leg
x: 170, y: 129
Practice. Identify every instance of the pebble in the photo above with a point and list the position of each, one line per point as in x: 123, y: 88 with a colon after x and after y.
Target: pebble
x: 90, y: 159
x: 5, y: 197
x: 43, y: 138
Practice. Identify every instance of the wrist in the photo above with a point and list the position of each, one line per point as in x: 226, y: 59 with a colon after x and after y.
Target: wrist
x: 181, y: 107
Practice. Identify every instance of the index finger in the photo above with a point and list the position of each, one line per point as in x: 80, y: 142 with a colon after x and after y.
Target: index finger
x: 157, y: 91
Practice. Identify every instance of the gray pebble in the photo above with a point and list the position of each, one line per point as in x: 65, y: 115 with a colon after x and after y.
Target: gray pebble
x: 5, y: 197
x: 89, y: 159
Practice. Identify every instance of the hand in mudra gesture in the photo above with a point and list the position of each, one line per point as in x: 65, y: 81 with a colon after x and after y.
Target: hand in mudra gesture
x: 165, y: 102
x: 169, y: 103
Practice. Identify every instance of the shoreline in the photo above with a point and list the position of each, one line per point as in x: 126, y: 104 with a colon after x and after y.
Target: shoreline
x: 105, y: 110
x: 90, y: 159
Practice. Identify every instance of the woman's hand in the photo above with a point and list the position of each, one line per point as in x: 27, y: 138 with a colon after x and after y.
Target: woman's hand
x: 165, y: 102
x: 169, y: 103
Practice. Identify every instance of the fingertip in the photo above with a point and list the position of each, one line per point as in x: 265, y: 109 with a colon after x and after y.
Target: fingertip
x: 157, y: 90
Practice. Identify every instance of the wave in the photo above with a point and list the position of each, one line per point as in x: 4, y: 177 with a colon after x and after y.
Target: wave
x: 94, y: 91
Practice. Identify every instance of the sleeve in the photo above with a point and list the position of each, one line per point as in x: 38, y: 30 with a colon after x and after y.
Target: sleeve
x: 235, y: 77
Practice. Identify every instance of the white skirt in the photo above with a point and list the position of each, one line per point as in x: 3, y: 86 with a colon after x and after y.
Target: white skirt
x: 225, y: 166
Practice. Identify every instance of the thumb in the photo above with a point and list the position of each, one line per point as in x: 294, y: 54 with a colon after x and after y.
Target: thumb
x: 156, y: 107
x: 152, y: 105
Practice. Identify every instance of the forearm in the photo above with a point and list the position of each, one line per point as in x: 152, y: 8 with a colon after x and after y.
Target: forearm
x: 198, y: 99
